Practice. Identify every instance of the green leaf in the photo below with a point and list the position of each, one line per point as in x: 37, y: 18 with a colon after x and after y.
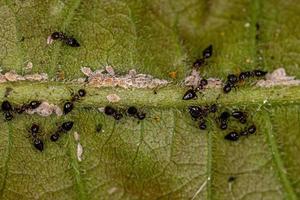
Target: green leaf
x: 164, y: 156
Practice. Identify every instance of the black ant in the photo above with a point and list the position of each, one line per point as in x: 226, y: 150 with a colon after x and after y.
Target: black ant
x: 76, y: 97
x: 65, y: 127
x: 7, y: 109
x: 250, y: 130
x: 113, y: 112
x: 37, y: 143
x: 70, y: 41
x: 231, y: 82
x: 206, y: 53
x: 132, y: 111
x: 195, y: 111
x: 202, y: 124
x: 232, y: 136
x: 68, y: 107
x: 241, y: 116
x: 223, y: 120
x: 198, y: 62
x: 31, y: 105
x: 190, y: 94
x: 244, y: 75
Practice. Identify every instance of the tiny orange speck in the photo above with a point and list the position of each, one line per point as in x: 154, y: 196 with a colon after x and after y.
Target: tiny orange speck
x: 173, y: 74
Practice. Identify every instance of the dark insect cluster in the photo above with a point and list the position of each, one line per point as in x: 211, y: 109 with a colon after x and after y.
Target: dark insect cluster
x: 200, y: 113
x: 233, y: 80
x: 234, y: 136
x: 131, y: 111
x: 70, y: 41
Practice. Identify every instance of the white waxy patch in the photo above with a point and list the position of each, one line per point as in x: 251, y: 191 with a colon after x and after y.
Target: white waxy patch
x: 49, y: 39
x: 112, y: 190
x: 36, y: 77
x: 12, y: 76
x: 278, y: 77
x: 86, y: 71
x: 110, y: 70
x: 194, y: 79
x: 29, y: 66
x: 247, y: 25
x: 45, y: 110
x: 101, y: 109
x: 99, y: 78
x: 113, y: 98
x: 76, y: 136
x: 79, y: 152
x: 2, y: 78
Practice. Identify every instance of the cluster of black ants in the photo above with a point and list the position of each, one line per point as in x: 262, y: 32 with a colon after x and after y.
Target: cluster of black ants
x: 9, y: 111
x: 200, y: 113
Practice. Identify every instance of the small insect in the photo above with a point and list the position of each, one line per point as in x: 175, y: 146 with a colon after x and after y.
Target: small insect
x: 195, y: 111
x: 244, y: 133
x: 71, y: 42
x: 223, y: 119
x: 259, y: 73
x: 202, y: 125
x: 109, y: 110
x: 6, y: 106
x: 66, y: 126
x: 57, y: 36
x: 231, y: 178
x: 54, y: 137
x: 141, y: 115
x: 213, y: 108
x: 224, y: 115
x: 207, y: 52
x: 233, y: 79
x: 132, y: 110
x: 81, y: 92
x: 190, y: 94
x: 223, y: 125
x: 117, y: 116
x: 75, y: 97
x: 252, y: 129
x: 244, y: 75
x: 198, y: 62
x: 8, y: 116
x: 34, y: 129
x: 68, y: 107
x: 227, y: 87
x: 98, y: 128
x: 241, y: 116
x: 203, y: 82
x: 38, y: 144
x: 232, y: 136
x: 34, y: 104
